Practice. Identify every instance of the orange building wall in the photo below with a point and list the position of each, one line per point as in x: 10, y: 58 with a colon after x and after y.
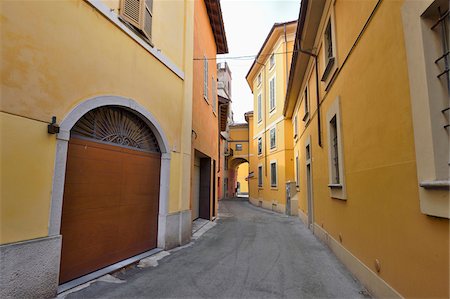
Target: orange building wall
x: 204, y: 119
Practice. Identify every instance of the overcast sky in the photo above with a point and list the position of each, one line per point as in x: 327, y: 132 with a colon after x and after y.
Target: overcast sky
x: 247, y: 24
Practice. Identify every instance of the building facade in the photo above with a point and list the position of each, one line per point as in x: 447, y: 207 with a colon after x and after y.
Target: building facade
x: 368, y: 100
x: 103, y: 92
x: 225, y: 119
x: 237, y: 155
x: 209, y: 40
x: 271, y: 140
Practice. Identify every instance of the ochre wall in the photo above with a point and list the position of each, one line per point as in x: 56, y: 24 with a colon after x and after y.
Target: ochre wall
x: 242, y: 173
x: 41, y: 78
x: 381, y: 218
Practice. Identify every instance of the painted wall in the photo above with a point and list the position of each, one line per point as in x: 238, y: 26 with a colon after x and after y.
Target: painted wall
x: 42, y: 78
x: 381, y: 217
x: 242, y: 173
x: 204, y: 114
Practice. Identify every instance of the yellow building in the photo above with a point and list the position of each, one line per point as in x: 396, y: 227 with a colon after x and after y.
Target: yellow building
x: 368, y: 100
x: 271, y: 139
x: 237, y: 156
x: 102, y: 92
x: 241, y: 179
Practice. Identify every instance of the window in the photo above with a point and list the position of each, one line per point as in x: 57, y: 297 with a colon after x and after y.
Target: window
x: 214, y: 94
x: 306, y: 100
x: 139, y: 14
x: 272, y: 94
x: 205, y: 78
x: 335, y: 154
x: 260, y: 176
x: 334, y: 151
x: 273, y: 174
x: 295, y: 120
x: 259, y: 79
x: 425, y: 29
x: 260, y: 146
x: 329, y: 49
x: 259, y: 108
x: 238, y: 147
x: 272, y: 61
x: 273, y: 139
x: 297, y: 175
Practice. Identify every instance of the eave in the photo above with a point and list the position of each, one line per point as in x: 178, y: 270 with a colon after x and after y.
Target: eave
x: 270, y: 40
x: 308, y: 23
x: 215, y: 18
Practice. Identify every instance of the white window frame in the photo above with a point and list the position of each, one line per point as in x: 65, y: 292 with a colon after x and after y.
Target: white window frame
x: 431, y: 147
x: 330, y: 64
x: 205, y: 78
x: 272, y: 91
x: 259, y: 79
x: 306, y: 103
x: 295, y: 125
x: 259, y: 143
x: 274, y: 145
x: 274, y: 186
x: 259, y: 107
x: 337, y: 189
x: 260, y: 176
x: 271, y: 61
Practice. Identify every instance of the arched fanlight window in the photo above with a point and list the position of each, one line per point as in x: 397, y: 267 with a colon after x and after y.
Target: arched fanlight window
x: 118, y: 126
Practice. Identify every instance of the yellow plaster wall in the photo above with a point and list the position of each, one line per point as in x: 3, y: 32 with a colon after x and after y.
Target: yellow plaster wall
x: 242, y: 173
x: 27, y: 160
x: 41, y: 78
x: 381, y: 218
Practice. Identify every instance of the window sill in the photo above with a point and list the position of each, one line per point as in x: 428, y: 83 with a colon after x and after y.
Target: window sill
x: 306, y: 117
x: 435, y: 184
x: 272, y: 149
x: 335, y: 186
x: 274, y: 188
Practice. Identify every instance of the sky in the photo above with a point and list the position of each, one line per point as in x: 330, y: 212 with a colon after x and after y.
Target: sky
x: 247, y: 24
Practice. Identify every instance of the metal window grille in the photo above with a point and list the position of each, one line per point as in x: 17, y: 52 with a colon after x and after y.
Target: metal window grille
x: 259, y: 146
x: 273, y: 140
x: 334, y: 150
x: 273, y: 174
x: 260, y: 176
x: 442, y: 61
x: 329, y: 40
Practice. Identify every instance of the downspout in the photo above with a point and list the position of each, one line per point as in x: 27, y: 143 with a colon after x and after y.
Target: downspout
x: 319, y: 130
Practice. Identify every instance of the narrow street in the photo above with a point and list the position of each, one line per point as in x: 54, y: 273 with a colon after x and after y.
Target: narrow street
x: 249, y: 253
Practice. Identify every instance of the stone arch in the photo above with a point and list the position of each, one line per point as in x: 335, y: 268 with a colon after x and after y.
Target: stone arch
x: 62, y: 140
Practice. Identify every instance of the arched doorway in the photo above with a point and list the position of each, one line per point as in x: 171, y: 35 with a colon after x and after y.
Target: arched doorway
x: 111, y: 191
x: 237, y: 175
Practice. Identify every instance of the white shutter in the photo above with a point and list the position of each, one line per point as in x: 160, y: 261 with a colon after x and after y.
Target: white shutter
x: 132, y: 12
x: 148, y: 16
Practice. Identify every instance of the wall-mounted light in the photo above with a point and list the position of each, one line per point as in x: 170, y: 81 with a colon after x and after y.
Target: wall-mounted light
x: 53, y: 127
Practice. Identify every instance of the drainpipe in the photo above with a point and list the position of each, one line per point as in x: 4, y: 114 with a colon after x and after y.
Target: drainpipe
x: 319, y: 130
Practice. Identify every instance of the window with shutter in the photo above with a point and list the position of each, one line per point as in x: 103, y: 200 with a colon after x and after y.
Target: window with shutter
x: 138, y: 13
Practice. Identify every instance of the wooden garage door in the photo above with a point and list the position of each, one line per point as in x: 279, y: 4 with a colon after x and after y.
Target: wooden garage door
x: 110, y: 206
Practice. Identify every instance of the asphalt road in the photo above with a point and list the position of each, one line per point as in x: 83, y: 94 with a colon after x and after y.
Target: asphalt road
x: 250, y: 253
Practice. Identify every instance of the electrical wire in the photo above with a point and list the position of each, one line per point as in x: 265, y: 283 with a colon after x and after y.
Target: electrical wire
x: 244, y: 57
